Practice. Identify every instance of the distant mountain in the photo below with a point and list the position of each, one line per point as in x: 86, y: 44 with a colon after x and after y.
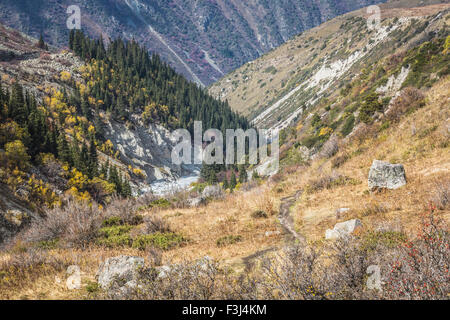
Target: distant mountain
x: 201, y: 39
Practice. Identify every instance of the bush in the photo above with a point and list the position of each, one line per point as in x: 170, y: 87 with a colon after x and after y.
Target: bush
x: 125, y: 209
x: 441, y: 195
x: 154, y: 257
x: 154, y: 223
x: 329, y: 182
x: 163, y: 241
x: 75, y: 224
x: 339, y: 160
x: 410, y: 99
x: 388, y: 239
x: 259, y: 214
x: 330, y: 148
x: 370, y: 107
x: 160, y: 203
x: 228, y: 240
x: 421, y: 271
x: 26, y: 266
x: 113, y: 221
x: 348, y: 126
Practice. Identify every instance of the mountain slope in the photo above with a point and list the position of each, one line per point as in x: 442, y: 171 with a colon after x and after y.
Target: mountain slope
x: 277, y: 88
x: 202, y: 39
x: 90, y: 124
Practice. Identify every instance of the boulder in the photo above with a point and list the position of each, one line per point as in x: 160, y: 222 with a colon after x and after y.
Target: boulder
x: 383, y: 175
x: 212, y: 192
x: 121, y: 269
x: 195, y: 202
x: 343, y: 229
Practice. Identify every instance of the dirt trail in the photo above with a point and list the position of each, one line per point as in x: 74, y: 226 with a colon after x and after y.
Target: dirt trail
x: 286, y: 222
x: 285, y: 218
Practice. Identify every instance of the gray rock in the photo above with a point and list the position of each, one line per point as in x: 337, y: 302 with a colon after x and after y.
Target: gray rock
x: 195, y: 202
x: 14, y: 214
x: 383, y: 175
x: 212, y: 192
x: 163, y: 271
x: 343, y: 229
x: 121, y: 269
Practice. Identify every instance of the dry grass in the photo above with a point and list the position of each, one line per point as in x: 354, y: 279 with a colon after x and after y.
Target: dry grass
x: 425, y: 154
x: 231, y: 216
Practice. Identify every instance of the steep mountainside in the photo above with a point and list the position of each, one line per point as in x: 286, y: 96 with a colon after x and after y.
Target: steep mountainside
x: 90, y: 124
x: 202, y: 39
x: 278, y: 88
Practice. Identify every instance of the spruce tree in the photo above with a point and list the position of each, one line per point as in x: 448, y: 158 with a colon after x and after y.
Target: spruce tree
x: 41, y: 43
x: 64, y: 152
x: 93, y: 159
x: 233, y: 181
x: 225, y: 185
x: 17, y: 107
x: 242, y: 174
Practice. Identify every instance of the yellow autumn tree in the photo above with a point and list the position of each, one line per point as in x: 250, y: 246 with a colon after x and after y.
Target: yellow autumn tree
x: 16, y: 154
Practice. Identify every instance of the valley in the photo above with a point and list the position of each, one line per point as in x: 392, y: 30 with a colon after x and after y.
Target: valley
x: 363, y: 116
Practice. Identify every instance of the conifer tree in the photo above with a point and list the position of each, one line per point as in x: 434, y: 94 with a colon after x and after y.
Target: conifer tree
x: 225, y: 185
x: 243, y: 177
x: 93, y: 159
x: 41, y: 43
x: 64, y: 152
x: 233, y: 181
x: 17, y: 106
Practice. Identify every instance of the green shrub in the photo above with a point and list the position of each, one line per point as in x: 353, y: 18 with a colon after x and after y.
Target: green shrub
x: 271, y: 70
x: 107, y: 232
x: 115, y: 236
x: 388, y: 239
x: 115, y: 241
x: 48, y: 245
x: 160, y: 203
x: 348, y: 126
x: 370, y: 106
x: 163, y: 241
x: 228, y: 240
x: 386, y: 124
x: 113, y: 221
x: 92, y: 287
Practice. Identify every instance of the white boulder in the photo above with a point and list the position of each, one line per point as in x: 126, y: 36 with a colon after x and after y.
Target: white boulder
x: 343, y: 229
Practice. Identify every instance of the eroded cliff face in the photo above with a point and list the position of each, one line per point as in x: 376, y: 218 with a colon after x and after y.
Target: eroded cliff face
x: 148, y: 148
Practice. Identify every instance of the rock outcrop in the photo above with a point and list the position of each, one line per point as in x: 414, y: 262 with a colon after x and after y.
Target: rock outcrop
x: 14, y: 214
x: 148, y: 148
x: 383, y: 175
